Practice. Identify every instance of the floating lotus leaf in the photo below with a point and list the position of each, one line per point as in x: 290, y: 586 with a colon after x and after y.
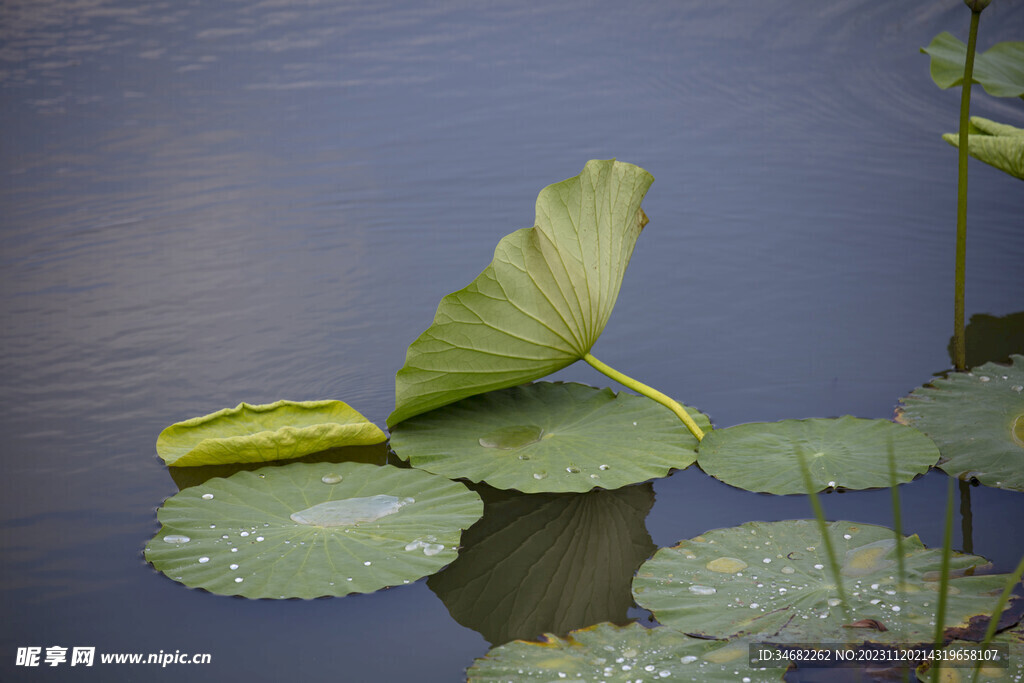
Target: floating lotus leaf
x: 541, y: 303
x: 549, y: 436
x: 1000, y: 69
x: 309, y: 530
x: 1012, y: 672
x: 260, y: 433
x: 994, y: 143
x: 774, y: 579
x: 847, y: 452
x: 977, y: 420
x: 548, y: 562
x: 618, y: 654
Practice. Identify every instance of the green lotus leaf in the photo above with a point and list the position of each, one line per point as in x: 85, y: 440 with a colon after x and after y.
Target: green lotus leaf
x: 1000, y: 69
x: 774, y: 579
x: 260, y: 433
x: 310, y: 530
x: 375, y: 454
x: 846, y: 452
x: 977, y: 420
x: 1013, y: 671
x: 541, y: 303
x: 994, y: 143
x: 619, y: 654
x: 549, y: 436
x: 548, y: 562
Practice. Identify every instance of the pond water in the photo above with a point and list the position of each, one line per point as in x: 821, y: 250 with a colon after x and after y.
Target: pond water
x: 208, y: 203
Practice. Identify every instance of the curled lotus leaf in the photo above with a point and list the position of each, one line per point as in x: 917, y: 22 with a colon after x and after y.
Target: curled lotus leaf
x: 606, y: 652
x: 307, y: 530
x: 261, y: 433
x: 541, y: 303
x: 996, y: 144
x: 549, y: 436
x: 774, y: 578
x: 999, y: 70
x: 845, y: 452
x: 977, y: 420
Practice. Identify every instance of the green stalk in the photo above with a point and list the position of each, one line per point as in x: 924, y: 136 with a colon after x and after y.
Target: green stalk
x: 897, y: 517
x: 993, y: 623
x: 819, y: 514
x: 947, y: 551
x: 959, y: 339
x: 649, y: 392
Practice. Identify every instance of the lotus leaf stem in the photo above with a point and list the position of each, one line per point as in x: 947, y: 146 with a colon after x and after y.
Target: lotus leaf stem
x: 649, y: 392
x: 959, y: 339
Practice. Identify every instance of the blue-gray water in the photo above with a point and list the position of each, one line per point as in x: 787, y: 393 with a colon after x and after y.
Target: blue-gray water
x: 205, y: 203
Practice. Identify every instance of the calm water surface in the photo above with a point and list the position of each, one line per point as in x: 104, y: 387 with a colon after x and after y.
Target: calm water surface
x: 205, y: 203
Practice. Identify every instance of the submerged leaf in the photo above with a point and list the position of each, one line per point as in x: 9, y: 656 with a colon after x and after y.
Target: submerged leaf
x: 1000, y: 69
x: 541, y: 303
x: 310, y: 530
x: 261, y: 433
x: 994, y: 143
x: 549, y: 436
x: 631, y: 653
x: 548, y: 563
x: 846, y: 452
x: 773, y: 578
x: 977, y: 421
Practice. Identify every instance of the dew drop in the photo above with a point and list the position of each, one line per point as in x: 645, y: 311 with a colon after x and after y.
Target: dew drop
x: 238, y: 579
x: 726, y: 565
x: 895, y: 608
x: 524, y: 456
x: 847, y: 536
x: 540, y: 475
x: 832, y: 484
x: 207, y: 496
x: 350, y: 511
x: 244, y: 534
x: 572, y: 469
x: 234, y: 550
x: 367, y: 563
x: 819, y: 566
x: 834, y: 602
x: 649, y: 667
x: 688, y: 659
x: 767, y: 560
x: 234, y: 566
x: 332, y: 478
x: 603, y: 467
x: 203, y: 560
x: 1018, y: 388
x: 176, y: 538
x: 703, y: 590
x: 787, y: 570
x: 510, y: 438
x: 983, y: 378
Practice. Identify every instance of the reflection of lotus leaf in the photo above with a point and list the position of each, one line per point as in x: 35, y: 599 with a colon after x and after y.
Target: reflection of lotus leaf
x: 847, y: 452
x: 780, y: 581
x: 976, y: 420
x: 541, y: 303
x: 309, y: 530
x: 549, y: 436
x: 261, y: 433
x: 547, y: 562
x: 612, y: 653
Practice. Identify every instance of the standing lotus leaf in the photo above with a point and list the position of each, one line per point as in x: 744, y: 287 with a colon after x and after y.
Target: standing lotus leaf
x: 773, y: 578
x: 308, y: 530
x: 261, y: 433
x: 977, y: 420
x: 1000, y: 69
x: 615, y: 653
x: 541, y: 303
x: 846, y: 452
x: 996, y: 144
x: 549, y: 436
